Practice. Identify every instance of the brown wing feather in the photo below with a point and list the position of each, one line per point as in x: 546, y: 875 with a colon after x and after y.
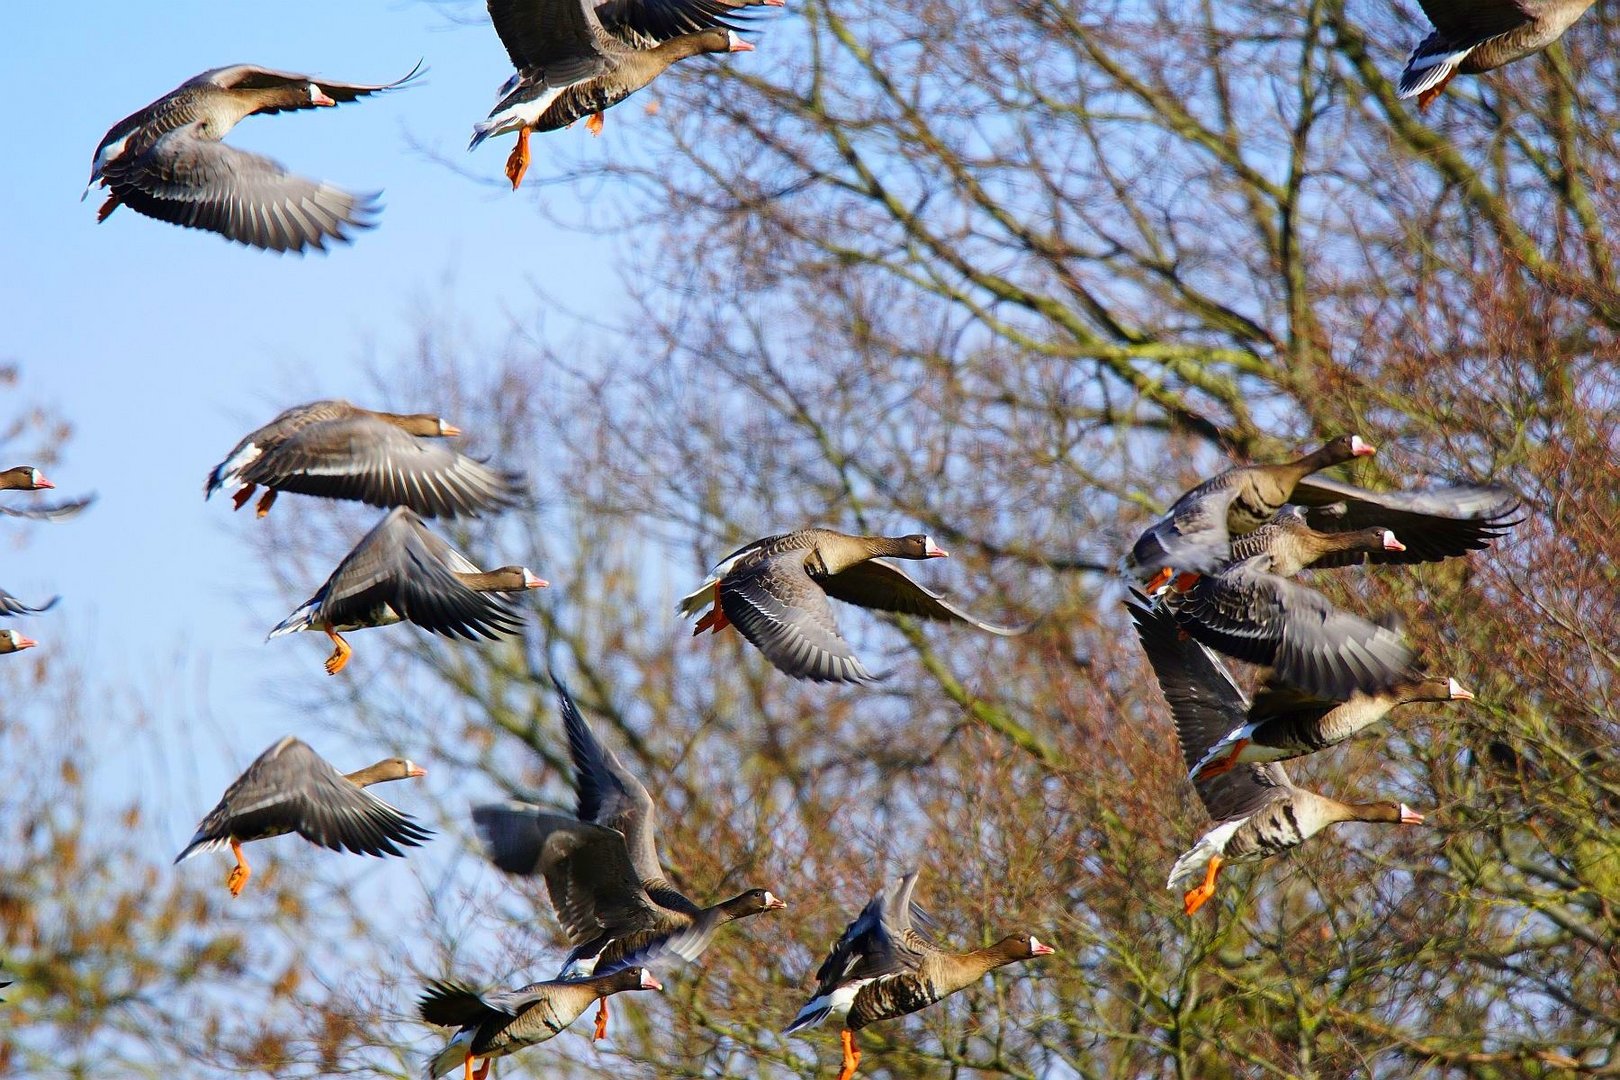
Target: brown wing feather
x: 244, y: 197
x: 776, y: 605
x: 882, y: 586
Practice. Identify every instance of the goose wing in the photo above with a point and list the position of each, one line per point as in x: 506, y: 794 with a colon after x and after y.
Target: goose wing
x: 376, y: 462
x: 1434, y: 525
x: 1256, y: 616
x: 645, y: 24
x: 776, y: 605
x: 10, y: 605
x: 1192, y: 536
x: 254, y: 77
x: 57, y: 511
x: 202, y: 184
x: 610, y: 794
x: 882, y: 586
x: 1205, y: 703
x: 1468, y: 23
x: 594, y: 887
x: 553, y: 42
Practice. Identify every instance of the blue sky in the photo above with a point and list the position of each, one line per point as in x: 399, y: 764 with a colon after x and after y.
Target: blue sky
x: 164, y: 345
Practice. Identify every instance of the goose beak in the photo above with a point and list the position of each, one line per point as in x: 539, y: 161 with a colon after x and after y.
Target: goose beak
x: 40, y: 483
x: 739, y: 45
x: 1410, y: 816
x: 317, y: 96
x: 532, y: 582
x: 932, y: 550
x: 1037, y: 949
x: 1361, y: 449
x: 24, y: 643
x: 648, y: 982
x: 448, y: 430
x: 774, y: 902
x: 1392, y: 544
x: 1458, y: 691
x: 412, y: 770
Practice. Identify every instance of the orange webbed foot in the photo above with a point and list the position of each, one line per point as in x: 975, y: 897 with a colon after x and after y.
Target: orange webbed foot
x: 1224, y: 764
x: 340, y: 655
x: 601, y: 1021
x: 713, y: 619
x: 237, y: 879
x: 1428, y: 96
x: 240, y: 499
x: 518, y: 163
x: 852, y: 1056
x: 1159, y: 581
x: 266, y: 502
x: 593, y: 123
x: 1185, y: 582
x: 483, y: 1070
x: 1195, y: 898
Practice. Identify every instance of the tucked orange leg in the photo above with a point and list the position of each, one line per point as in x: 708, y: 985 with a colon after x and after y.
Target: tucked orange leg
x: 265, y: 503
x: 715, y: 619
x: 601, y: 1020
x: 236, y: 880
x: 1426, y: 98
x: 340, y: 655
x: 518, y: 163
x: 240, y: 499
x: 852, y: 1056
x: 1224, y: 764
x: 1195, y: 898
x: 1160, y: 580
x: 1184, y: 582
x: 593, y: 123
x: 483, y: 1070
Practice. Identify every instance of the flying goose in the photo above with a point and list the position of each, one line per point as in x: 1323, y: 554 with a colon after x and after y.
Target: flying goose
x: 601, y: 866
x: 556, y: 45
x: 290, y: 788
x: 1475, y: 36
x: 1194, y: 535
x: 401, y: 572
x: 775, y: 591
x: 494, y: 1025
x: 167, y: 161
x: 1284, y: 723
x: 882, y: 968
x: 1256, y: 809
x: 340, y: 451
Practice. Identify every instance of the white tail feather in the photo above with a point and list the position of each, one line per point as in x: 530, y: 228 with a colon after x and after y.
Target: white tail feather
x: 302, y: 619
x: 1424, y: 71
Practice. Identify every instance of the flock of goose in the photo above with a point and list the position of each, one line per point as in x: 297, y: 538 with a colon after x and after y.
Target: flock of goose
x: 1214, y: 576
x: 574, y: 59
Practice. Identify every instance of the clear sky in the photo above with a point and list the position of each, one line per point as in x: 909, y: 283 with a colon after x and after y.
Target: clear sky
x: 163, y: 345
